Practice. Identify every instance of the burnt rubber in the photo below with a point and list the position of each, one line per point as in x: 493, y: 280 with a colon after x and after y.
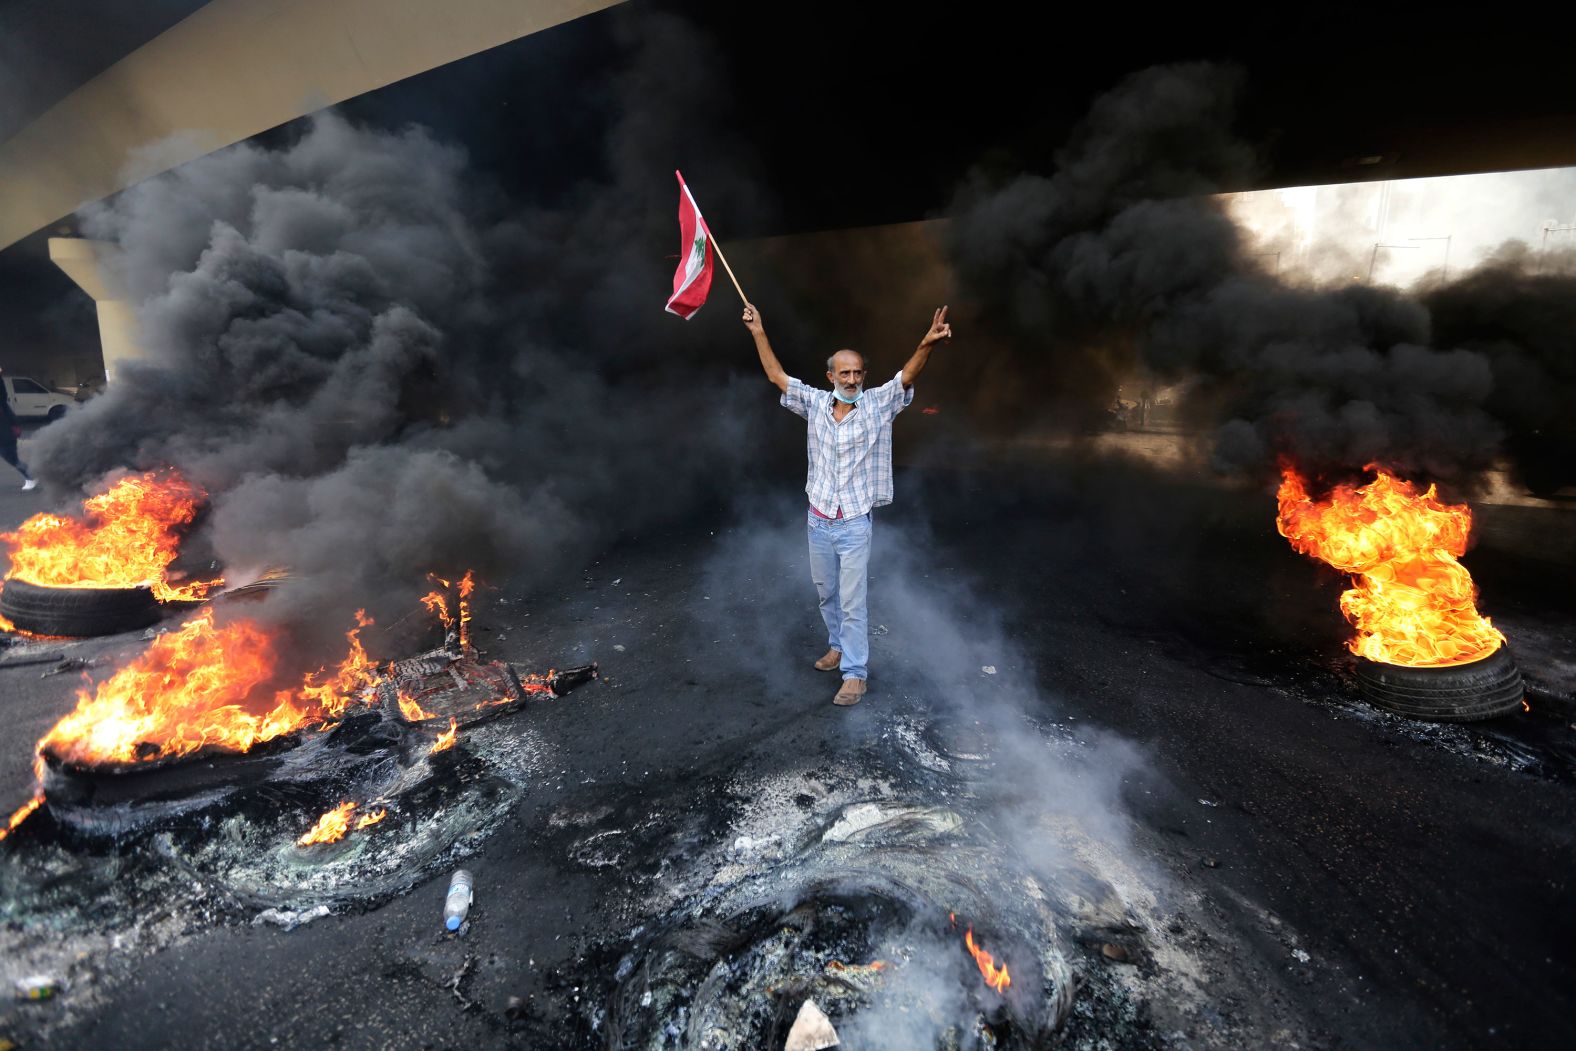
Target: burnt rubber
x: 77, y: 612
x: 1458, y: 693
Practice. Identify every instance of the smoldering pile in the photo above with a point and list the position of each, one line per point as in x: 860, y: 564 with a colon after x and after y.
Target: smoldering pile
x: 866, y: 889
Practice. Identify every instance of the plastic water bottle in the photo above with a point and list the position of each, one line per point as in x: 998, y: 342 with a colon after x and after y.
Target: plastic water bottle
x: 458, y: 903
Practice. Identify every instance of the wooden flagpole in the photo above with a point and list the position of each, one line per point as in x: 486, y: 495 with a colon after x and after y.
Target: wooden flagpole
x: 724, y: 259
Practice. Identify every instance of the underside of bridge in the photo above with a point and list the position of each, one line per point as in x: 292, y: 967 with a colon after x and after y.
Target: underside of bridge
x: 861, y: 117
x: 831, y: 97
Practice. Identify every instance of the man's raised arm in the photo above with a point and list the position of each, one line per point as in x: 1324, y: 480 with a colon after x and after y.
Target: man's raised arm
x: 940, y: 332
x: 763, y: 347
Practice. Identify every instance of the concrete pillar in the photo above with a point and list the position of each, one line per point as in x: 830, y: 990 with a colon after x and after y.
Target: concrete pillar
x: 91, y: 265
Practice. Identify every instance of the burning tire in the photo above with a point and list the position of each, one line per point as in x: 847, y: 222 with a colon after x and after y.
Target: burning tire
x: 1457, y: 693
x: 77, y: 612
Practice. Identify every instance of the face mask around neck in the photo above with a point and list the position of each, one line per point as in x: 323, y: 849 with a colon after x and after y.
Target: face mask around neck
x: 837, y: 392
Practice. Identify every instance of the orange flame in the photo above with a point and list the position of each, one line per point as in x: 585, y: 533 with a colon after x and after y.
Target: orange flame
x: 21, y: 815
x: 467, y: 585
x: 411, y: 710
x: 370, y: 819
x: 332, y: 692
x: 126, y: 537
x: 1412, y: 603
x: 995, y: 977
x: 438, y: 603
x: 446, y: 739
x: 190, y: 688
x: 204, y: 687
x: 330, y: 828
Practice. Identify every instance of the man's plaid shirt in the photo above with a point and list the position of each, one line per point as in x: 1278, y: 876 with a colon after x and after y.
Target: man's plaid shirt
x: 851, y: 461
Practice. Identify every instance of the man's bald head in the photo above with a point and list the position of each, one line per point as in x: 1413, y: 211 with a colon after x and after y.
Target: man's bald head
x: 857, y: 358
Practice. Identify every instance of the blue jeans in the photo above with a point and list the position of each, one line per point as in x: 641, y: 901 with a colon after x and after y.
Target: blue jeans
x: 840, y: 567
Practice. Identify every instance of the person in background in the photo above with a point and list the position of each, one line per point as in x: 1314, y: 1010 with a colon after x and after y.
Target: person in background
x: 10, y: 431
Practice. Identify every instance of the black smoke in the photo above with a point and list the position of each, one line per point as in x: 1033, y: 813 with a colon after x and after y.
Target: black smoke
x: 1518, y: 311
x: 379, y: 365
x: 1121, y: 259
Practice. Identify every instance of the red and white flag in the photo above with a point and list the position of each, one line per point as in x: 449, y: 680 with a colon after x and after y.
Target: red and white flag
x: 692, y: 280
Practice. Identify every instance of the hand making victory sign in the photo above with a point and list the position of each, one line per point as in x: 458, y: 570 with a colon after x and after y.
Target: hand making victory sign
x: 940, y: 332
x: 940, y: 329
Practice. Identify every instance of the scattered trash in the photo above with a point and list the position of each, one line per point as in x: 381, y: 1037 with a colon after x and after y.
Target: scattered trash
x: 879, y: 629
x: 618, y: 580
x: 1208, y: 802
x: 289, y: 919
x: 38, y: 987
x: 1112, y: 951
x: 811, y: 1031
x: 619, y: 647
x: 989, y: 669
x: 67, y: 664
x: 458, y: 978
x: 1212, y: 863
x: 458, y: 902
x: 1300, y: 956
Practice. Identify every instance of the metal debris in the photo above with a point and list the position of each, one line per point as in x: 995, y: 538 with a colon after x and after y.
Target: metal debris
x: 289, y: 919
x: 67, y: 664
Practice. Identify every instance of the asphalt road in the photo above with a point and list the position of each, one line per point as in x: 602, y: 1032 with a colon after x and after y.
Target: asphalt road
x: 1358, y: 883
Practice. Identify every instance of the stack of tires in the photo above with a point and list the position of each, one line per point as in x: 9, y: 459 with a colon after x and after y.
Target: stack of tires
x: 77, y: 612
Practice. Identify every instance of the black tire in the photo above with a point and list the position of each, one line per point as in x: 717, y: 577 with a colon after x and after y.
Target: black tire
x: 1459, y: 693
x: 56, y: 412
x: 77, y: 612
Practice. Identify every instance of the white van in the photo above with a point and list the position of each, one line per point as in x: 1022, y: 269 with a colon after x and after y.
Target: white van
x: 31, y: 399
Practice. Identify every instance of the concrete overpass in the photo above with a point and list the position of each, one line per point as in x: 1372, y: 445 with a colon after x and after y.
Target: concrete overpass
x: 232, y: 69
x: 1355, y: 92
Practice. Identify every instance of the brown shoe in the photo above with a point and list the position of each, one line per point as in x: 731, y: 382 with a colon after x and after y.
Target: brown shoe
x: 852, y: 693
x: 829, y: 662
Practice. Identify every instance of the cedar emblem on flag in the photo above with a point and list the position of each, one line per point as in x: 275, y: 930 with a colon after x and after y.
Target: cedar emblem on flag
x: 692, y: 280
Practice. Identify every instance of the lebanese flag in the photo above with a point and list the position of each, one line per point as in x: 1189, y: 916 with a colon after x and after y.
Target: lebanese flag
x: 692, y: 280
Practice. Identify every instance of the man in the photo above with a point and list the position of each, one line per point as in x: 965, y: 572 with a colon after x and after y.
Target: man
x: 849, y: 443
x: 10, y: 431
